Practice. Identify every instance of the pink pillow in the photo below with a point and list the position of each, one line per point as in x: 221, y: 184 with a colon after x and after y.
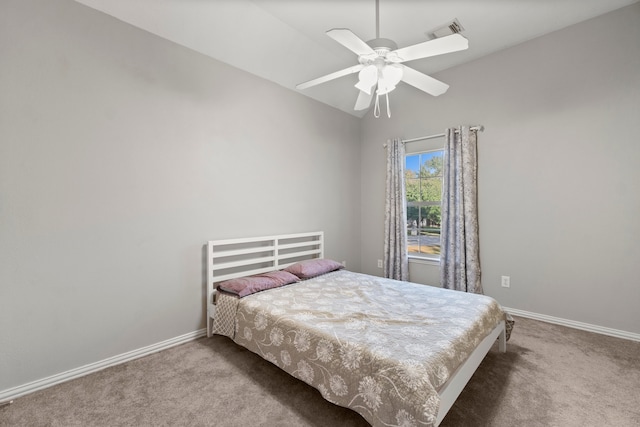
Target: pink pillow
x: 313, y: 267
x: 244, y: 286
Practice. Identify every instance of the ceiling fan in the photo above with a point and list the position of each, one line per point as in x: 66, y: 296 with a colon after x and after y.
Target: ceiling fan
x: 380, y: 66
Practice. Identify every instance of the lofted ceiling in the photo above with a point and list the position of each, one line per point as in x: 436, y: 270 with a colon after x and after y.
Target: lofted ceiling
x: 284, y: 41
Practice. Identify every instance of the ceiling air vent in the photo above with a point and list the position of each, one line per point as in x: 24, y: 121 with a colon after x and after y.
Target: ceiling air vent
x: 453, y: 27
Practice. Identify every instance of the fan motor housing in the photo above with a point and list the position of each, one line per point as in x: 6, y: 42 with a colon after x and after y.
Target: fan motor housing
x: 382, y: 44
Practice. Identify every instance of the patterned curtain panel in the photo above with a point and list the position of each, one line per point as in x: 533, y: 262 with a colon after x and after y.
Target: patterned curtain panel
x: 396, y: 262
x: 460, y: 254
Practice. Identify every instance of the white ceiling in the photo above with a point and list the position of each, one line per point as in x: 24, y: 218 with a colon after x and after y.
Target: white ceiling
x: 284, y: 41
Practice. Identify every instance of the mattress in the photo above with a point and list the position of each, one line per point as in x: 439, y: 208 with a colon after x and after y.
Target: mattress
x: 381, y: 347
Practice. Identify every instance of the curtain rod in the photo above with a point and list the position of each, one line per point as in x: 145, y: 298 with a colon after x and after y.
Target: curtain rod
x: 440, y: 135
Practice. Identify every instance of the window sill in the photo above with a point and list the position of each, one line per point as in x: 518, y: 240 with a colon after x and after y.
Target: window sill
x: 425, y: 261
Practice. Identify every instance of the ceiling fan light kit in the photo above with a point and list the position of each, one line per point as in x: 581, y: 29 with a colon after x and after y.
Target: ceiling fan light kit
x: 380, y: 67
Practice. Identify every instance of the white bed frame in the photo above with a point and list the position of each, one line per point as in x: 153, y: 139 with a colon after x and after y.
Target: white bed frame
x: 231, y: 258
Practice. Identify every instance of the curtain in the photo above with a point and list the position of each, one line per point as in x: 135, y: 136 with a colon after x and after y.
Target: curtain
x: 460, y: 251
x: 396, y: 262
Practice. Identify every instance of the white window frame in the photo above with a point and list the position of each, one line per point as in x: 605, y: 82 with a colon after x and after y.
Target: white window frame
x: 412, y: 149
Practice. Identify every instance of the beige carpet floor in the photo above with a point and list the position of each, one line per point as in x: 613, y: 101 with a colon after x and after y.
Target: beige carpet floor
x: 550, y: 376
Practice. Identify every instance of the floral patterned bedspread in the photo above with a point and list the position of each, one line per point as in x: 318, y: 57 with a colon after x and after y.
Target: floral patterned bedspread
x: 378, y: 346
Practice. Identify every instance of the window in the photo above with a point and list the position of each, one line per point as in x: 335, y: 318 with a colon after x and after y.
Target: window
x: 423, y: 183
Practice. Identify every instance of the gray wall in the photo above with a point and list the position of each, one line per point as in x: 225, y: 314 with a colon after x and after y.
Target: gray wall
x: 120, y: 155
x: 558, y: 169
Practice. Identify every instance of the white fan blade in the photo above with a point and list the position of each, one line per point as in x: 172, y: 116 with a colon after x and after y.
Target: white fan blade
x: 423, y: 82
x: 349, y: 40
x: 447, y: 44
x: 364, y: 101
x: 331, y: 76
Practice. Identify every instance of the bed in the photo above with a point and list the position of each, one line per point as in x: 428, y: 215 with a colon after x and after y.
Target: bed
x: 398, y: 353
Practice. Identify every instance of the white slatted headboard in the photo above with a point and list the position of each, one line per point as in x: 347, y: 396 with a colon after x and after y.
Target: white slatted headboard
x: 231, y: 258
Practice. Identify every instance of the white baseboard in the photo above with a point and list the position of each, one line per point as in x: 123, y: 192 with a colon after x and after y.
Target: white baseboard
x: 573, y: 324
x: 12, y: 393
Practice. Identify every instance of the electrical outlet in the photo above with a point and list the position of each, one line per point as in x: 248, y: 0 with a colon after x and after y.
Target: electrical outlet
x: 379, y: 263
x: 506, y: 282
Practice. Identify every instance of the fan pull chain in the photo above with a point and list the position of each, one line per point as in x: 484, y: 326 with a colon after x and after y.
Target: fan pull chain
x: 388, y: 109
x: 376, y: 106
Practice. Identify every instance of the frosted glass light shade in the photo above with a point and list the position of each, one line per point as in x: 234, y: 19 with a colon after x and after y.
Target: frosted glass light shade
x: 390, y: 76
x: 368, y: 77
